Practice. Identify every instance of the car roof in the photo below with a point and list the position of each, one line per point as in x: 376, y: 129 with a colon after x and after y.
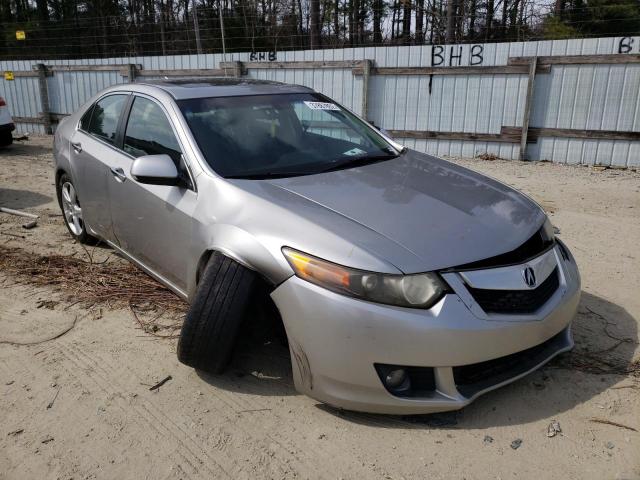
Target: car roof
x: 223, y: 87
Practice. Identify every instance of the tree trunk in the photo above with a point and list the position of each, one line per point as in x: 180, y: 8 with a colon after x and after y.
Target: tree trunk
x: 451, y: 21
x: 350, y: 19
x: 406, y: 21
x: 43, y: 11
x: 490, y: 15
x: 394, y: 20
x: 419, y: 22
x: 20, y: 11
x: 559, y: 8
x: 314, y: 6
x: 377, y: 20
x: 513, y: 20
x: 300, y: 26
x: 433, y: 22
x: 362, y: 15
x: 336, y: 21
x: 355, y: 21
x: 503, y: 22
x: 162, y: 36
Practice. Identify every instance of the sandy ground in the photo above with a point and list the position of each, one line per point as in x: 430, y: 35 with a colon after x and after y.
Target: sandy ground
x: 79, y: 406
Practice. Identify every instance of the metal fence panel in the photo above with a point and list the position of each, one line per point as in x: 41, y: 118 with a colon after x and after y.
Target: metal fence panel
x: 584, y: 96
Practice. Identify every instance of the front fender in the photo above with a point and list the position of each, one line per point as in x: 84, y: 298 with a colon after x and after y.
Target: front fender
x: 246, y: 249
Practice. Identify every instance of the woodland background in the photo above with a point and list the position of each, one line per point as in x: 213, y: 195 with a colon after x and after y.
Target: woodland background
x: 101, y: 28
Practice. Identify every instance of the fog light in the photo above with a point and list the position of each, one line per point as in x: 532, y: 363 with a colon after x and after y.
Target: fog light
x: 396, y: 379
x: 407, y: 381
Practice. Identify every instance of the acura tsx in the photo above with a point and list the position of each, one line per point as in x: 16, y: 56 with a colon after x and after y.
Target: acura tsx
x: 405, y: 283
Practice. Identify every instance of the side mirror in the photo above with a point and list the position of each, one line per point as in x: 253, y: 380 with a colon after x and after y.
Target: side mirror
x: 155, y: 170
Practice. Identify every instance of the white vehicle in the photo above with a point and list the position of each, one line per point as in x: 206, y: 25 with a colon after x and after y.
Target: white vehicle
x: 6, y: 124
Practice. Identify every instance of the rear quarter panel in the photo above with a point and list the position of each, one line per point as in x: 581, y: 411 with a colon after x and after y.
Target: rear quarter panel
x: 61, y: 154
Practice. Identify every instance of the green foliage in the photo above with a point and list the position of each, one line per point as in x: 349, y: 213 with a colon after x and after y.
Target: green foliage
x: 594, y: 18
x: 554, y: 28
x: 608, y: 17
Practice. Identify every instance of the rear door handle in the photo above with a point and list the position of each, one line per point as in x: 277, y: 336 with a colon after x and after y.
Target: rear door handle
x: 119, y: 174
x: 77, y: 147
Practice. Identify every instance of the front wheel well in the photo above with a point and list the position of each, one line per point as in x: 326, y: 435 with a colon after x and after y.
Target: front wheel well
x: 202, y: 263
x: 206, y: 256
x: 262, y: 292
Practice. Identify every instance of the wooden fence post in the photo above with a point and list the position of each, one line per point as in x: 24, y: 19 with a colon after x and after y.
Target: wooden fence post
x: 44, y: 97
x: 533, y: 63
x: 237, y: 69
x: 234, y: 68
x: 131, y: 72
x: 366, y: 73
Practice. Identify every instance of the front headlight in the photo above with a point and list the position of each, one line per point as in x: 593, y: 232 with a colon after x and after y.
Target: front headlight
x: 421, y: 290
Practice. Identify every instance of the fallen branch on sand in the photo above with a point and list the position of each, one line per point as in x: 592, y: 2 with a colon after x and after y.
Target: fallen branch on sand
x: 160, y: 383
x: 114, y: 284
x: 615, y: 424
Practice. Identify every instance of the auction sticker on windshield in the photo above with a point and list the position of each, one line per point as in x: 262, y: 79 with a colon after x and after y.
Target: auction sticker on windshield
x: 353, y: 151
x: 322, y: 106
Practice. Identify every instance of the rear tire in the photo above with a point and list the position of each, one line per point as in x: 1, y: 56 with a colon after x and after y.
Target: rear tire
x: 71, y: 210
x: 219, y: 308
x: 6, y: 138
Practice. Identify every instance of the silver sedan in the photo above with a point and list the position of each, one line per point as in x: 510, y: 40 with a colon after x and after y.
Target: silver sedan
x: 405, y: 283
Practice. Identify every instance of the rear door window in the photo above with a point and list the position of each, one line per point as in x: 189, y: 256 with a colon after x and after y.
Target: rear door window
x: 104, y: 118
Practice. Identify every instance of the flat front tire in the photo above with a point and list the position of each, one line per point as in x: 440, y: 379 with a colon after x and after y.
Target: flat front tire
x: 219, y: 308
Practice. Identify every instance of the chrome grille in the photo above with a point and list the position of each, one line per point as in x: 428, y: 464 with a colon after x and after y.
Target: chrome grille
x: 516, y: 301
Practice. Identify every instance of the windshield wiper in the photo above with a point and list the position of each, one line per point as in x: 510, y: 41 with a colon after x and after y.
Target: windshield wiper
x: 265, y: 175
x: 349, y: 162
x: 357, y: 162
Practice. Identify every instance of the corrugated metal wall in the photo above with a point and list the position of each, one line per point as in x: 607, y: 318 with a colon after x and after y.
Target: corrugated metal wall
x: 22, y: 94
x: 605, y: 97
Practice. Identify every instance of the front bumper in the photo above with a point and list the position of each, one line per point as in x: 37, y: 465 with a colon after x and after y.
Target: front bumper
x: 335, y: 341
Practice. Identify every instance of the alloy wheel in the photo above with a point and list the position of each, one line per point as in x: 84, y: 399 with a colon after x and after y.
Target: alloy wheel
x: 71, y: 208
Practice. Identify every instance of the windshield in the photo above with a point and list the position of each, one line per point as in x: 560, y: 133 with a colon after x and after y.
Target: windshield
x: 280, y: 135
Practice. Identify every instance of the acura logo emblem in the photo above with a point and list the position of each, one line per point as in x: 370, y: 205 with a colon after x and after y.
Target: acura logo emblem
x: 529, y: 277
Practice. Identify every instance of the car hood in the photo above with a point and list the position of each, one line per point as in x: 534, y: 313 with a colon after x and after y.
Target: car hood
x: 443, y: 214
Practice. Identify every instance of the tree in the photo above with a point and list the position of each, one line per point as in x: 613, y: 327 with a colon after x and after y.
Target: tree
x: 98, y: 28
x: 419, y: 21
x: 315, y: 23
x: 406, y: 20
x: 378, y: 13
x: 452, y: 9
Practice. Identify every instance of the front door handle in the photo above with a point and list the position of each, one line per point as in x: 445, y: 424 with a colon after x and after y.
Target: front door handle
x: 77, y: 147
x: 119, y: 174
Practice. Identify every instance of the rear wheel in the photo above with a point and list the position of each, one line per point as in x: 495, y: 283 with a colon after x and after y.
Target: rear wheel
x: 72, y: 211
x: 6, y: 138
x: 218, y: 310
